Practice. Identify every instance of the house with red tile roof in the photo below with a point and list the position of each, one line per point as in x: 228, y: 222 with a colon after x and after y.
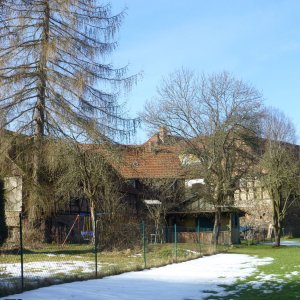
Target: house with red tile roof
x: 162, y: 157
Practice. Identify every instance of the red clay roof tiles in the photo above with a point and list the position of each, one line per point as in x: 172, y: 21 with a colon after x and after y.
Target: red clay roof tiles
x: 143, y: 162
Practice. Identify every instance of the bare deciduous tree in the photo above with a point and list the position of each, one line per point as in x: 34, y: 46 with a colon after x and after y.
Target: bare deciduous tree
x: 218, y: 117
x: 82, y: 171
x: 280, y: 167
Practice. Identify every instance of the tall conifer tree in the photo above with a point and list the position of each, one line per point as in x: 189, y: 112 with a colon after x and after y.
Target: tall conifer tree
x: 54, y: 76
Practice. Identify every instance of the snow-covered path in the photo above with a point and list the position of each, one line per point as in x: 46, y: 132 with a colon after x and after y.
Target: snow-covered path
x: 189, y: 280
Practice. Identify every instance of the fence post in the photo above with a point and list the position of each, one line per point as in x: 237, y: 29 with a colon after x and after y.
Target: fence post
x: 144, y: 244
x: 95, y: 246
x: 166, y: 234
x: 175, y: 241
x: 21, y: 252
x: 198, y: 231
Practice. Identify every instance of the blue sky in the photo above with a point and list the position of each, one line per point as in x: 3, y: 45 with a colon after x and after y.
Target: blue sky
x: 257, y: 41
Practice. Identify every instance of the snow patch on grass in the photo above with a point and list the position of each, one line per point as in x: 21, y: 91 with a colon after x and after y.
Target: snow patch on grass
x: 292, y: 274
x: 266, y: 283
x: 44, y: 269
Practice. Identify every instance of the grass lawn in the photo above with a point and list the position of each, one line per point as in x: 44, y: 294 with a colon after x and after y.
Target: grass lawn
x: 156, y: 254
x: 277, y: 280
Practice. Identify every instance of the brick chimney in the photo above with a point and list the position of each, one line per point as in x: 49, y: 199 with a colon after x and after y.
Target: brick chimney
x: 162, y: 134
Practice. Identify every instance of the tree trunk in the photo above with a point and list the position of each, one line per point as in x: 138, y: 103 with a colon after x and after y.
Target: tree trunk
x: 39, y: 117
x: 47, y: 229
x: 276, y: 218
x: 277, y: 229
x: 277, y: 233
x: 157, y: 226
x: 39, y: 112
x: 3, y: 225
x: 217, y: 226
